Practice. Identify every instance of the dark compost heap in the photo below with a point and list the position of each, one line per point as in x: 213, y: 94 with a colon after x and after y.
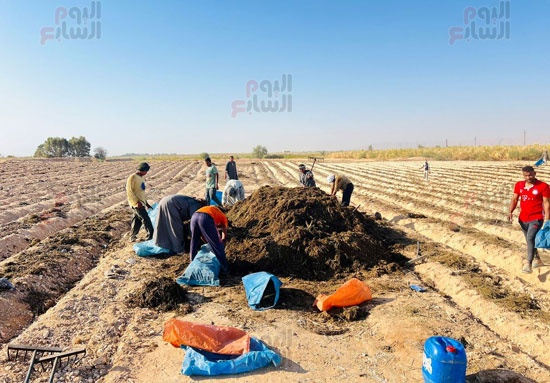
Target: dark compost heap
x: 300, y: 232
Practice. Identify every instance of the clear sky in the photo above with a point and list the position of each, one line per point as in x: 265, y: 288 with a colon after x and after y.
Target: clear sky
x: 164, y: 74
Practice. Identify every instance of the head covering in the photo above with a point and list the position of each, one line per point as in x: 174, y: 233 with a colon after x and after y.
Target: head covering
x: 144, y: 167
x: 207, y: 159
x: 301, y: 166
x: 331, y: 178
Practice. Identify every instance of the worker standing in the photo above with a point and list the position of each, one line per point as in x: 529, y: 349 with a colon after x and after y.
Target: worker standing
x: 233, y: 192
x: 212, y: 185
x: 135, y: 190
x: 172, y: 229
x: 426, y: 168
x: 205, y: 222
x: 231, y: 169
x: 535, y: 208
x: 306, y: 177
x: 341, y: 182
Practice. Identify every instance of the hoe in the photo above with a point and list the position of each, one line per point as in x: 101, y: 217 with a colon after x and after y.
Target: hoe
x: 315, y: 159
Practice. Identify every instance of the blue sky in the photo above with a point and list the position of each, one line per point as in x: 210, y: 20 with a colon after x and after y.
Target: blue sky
x: 164, y: 74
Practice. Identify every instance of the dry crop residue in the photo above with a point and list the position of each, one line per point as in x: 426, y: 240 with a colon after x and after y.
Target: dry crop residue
x: 301, y: 232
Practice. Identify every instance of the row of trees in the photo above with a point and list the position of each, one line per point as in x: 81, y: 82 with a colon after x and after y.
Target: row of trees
x: 61, y: 147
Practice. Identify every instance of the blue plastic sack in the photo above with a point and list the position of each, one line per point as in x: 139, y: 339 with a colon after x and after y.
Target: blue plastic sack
x: 255, y: 285
x: 147, y: 248
x: 203, y: 271
x: 200, y: 362
x: 542, y: 240
x: 219, y: 194
x: 539, y: 162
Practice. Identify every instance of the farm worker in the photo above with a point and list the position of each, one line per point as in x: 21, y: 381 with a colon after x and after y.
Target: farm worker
x: 306, y: 177
x: 231, y: 169
x: 206, y: 221
x: 211, y: 182
x: 426, y: 168
x: 233, y: 192
x: 534, y: 196
x: 341, y: 182
x: 135, y: 190
x: 544, y: 157
x: 172, y: 227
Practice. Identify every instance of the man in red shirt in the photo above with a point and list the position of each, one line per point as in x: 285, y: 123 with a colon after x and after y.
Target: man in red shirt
x: 534, y: 196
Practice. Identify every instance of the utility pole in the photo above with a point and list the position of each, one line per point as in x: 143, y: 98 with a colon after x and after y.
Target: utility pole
x: 446, y: 143
x: 475, y: 140
x: 524, y: 137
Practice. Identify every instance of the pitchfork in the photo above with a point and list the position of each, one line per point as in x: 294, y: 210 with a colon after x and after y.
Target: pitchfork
x: 56, y: 357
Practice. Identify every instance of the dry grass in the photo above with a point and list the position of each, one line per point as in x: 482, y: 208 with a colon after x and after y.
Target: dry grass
x: 454, y: 153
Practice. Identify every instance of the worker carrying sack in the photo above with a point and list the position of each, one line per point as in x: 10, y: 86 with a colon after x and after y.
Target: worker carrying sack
x: 203, y: 270
x: 351, y: 293
x: 262, y: 290
x: 199, y: 362
x: 542, y: 239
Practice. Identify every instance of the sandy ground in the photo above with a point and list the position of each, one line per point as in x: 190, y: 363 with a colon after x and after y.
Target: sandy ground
x: 124, y: 344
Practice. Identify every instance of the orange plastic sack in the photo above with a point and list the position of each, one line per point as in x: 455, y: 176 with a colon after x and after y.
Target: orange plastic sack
x: 351, y: 293
x: 217, y: 339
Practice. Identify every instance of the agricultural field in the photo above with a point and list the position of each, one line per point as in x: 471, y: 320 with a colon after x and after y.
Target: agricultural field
x: 63, y: 246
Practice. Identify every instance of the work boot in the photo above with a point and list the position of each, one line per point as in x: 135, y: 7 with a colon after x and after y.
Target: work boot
x: 527, y: 268
x: 537, y: 262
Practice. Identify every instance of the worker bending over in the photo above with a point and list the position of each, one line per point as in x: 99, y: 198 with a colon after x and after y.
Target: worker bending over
x: 172, y: 229
x: 205, y: 222
x: 341, y: 182
x: 233, y: 192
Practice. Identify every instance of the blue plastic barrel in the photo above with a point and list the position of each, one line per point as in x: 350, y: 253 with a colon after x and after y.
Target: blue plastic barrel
x: 444, y: 361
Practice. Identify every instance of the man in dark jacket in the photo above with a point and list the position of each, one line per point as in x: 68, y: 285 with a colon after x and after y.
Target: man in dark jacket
x: 231, y: 169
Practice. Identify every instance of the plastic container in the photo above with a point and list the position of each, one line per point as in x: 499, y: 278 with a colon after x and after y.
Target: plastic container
x: 444, y: 361
x: 219, y: 194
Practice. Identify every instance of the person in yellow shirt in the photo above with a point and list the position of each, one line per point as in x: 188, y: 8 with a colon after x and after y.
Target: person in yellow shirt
x: 341, y: 182
x: 135, y: 189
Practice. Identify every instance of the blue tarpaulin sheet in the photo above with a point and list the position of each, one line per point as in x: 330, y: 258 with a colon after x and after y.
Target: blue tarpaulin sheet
x: 144, y: 249
x: 199, y: 362
x: 255, y: 286
x: 542, y: 240
x: 147, y: 248
x: 203, y: 271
